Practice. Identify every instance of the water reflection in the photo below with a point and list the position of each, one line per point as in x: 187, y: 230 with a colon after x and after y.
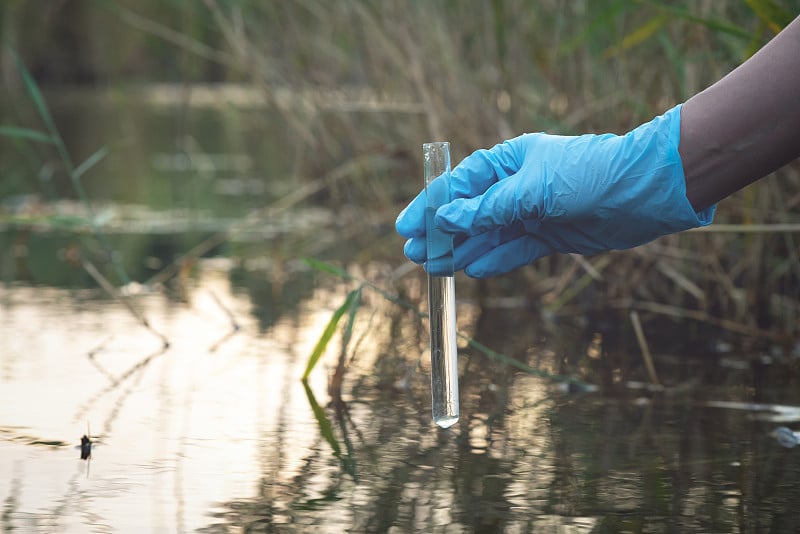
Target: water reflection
x: 217, y: 431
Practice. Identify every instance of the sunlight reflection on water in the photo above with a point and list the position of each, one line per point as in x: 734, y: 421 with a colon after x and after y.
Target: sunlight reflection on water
x: 217, y: 432
x: 178, y: 430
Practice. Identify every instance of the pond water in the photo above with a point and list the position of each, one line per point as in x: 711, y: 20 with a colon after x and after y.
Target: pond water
x: 200, y: 421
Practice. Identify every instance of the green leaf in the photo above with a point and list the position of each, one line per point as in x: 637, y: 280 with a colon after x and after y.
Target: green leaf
x: 717, y: 25
x: 327, y: 334
x: 351, y: 319
x: 598, y: 25
x: 90, y: 162
x: 25, y: 133
x: 637, y: 36
x: 325, y: 267
x: 352, y: 302
x: 38, y: 100
x: 770, y: 13
x: 332, y: 269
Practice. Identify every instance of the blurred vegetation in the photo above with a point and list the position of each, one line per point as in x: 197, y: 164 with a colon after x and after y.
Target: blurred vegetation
x: 355, y: 87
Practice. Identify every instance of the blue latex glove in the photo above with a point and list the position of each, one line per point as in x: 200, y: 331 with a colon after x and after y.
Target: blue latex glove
x: 538, y: 194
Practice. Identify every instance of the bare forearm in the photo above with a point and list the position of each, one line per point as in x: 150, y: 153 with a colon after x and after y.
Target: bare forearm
x: 746, y: 125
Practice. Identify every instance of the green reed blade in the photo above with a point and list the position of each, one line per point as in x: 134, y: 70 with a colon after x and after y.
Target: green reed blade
x: 355, y: 295
x: 325, y: 267
x: 27, y: 134
x: 598, y: 25
x: 770, y: 13
x: 327, y: 334
x: 638, y: 35
x: 44, y: 112
x: 720, y: 26
x: 90, y: 162
x: 351, y: 318
x: 66, y: 160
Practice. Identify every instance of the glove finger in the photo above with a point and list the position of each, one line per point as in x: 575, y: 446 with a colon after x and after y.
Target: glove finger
x: 411, y: 221
x: 471, y: 248
x: 416, y: 250
x: 509, y: 256
x: 483, y: 168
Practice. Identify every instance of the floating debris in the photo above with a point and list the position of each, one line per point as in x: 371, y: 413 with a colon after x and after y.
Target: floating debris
x: 776, y: 413
x: 786, y: 437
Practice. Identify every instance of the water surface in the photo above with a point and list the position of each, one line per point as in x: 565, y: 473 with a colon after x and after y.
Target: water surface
x: 216, y: 432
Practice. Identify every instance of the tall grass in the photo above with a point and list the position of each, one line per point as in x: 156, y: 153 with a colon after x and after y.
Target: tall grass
x: 486, y: 72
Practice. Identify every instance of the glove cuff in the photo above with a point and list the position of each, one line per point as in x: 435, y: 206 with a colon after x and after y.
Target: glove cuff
x: 703, y: 217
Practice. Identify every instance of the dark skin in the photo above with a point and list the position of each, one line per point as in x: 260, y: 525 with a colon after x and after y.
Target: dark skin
x: 746, y: 125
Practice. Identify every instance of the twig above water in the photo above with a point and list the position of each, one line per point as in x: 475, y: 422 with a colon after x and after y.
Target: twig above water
x: 112, y: 291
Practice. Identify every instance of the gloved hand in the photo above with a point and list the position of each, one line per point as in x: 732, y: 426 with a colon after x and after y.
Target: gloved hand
x: 538, y: 194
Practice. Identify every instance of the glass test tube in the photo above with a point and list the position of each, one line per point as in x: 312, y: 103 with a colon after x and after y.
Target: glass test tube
x: 441, y: 291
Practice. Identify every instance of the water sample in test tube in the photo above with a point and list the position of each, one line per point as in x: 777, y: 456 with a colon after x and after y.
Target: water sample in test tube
x: 441, y: 289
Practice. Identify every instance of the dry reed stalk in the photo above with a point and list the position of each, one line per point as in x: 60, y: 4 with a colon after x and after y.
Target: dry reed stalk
x: 181, y: 40
x: 755, y: 228
x: 587, y: 266
x: 723, y: 279
x: 648, y: 358
x: 680, y: 280
x: 697, y: 315
x: 562, y: 294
